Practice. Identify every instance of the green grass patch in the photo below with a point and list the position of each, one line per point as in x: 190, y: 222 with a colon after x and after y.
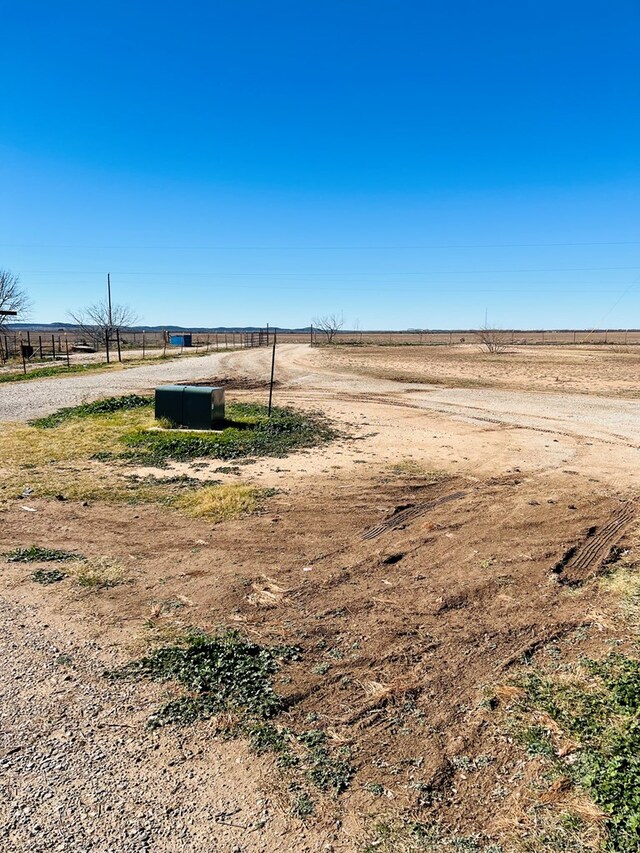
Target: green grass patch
x: 60, y: 369
x: 599, y: 709
x: 48, y: 577
x: 250, y: 432
x: 36, y: 554
x: 100, y: 407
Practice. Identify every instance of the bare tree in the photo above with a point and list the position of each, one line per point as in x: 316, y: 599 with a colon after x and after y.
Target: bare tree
x: 493, y: 340
x: 13, y: 297
x: 329, y: 325
x: 100, y: 321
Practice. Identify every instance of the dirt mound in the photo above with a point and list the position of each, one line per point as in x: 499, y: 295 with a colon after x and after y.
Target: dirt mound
x: 239, y: 383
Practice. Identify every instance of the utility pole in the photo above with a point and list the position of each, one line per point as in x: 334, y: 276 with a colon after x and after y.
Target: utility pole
x: 109, y: 296
x: 108, y: 335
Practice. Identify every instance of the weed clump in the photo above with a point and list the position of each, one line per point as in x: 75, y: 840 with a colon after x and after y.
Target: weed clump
x: 223, y: 672
x: 36, y: 554
x: 227, y: 674
x: 601, y: 711
x: 45, y: 578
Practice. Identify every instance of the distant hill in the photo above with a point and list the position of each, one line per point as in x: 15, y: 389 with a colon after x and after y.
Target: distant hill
x: 61, y: 327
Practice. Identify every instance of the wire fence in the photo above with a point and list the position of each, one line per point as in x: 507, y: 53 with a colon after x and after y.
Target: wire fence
x: 34, y: 348
x: 504, y: 337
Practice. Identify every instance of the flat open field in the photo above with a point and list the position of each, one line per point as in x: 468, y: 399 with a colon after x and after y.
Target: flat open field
x: 446, y: 562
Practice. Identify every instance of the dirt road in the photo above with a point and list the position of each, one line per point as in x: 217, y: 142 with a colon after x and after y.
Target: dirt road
x: 301, y: 369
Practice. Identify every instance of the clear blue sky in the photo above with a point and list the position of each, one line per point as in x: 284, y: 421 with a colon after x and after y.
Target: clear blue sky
x: 410, y: 164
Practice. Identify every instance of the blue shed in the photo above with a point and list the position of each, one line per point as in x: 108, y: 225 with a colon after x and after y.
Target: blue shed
x: 182, y: 340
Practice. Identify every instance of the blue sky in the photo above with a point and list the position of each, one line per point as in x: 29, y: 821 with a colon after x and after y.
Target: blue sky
x: 410, y: 164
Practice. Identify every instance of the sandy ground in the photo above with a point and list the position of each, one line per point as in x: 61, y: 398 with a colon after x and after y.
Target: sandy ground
x: 400, y: 631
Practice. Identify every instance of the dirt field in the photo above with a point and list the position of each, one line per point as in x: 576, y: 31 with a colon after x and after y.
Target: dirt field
x: 454, y: 536
x: 580, y: 369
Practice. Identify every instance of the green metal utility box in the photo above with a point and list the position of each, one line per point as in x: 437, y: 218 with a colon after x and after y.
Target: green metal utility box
x: 194, y: 406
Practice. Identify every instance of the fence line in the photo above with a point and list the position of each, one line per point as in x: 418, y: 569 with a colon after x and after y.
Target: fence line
x: 31, y: 347
x: 43, y: 347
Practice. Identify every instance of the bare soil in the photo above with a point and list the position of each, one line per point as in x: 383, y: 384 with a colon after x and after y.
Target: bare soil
x: 426, y: 557
x: 581, y: 369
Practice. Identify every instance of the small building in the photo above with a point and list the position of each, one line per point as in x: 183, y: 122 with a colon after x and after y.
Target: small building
x: 180, y: 340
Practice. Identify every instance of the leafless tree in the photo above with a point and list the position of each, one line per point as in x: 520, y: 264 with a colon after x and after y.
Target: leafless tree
x: 13, y: 297
x: 98, y: 322
x: 493, y: 340
x: 329, y: 325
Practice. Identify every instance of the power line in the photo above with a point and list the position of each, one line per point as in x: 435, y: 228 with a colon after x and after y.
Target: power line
x: 325, y: 248
x: 345, y: 274
x: 429, y: 287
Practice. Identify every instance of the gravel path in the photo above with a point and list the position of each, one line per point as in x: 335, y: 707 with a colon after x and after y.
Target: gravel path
x: 609, y: 420
x: 20, y: 401
x: 81, y: 772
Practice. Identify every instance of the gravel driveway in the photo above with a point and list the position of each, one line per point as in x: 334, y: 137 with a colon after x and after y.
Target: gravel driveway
x: 302, y: 372
x: 20, y: 401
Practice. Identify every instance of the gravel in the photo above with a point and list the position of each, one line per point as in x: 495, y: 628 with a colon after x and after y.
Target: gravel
x: 82, y: 773
x: 21, y: 401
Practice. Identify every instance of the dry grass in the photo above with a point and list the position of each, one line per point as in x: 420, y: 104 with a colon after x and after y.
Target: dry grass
x: 58, y: 462
x: 265, y: 592
x: 75, y: 439
x: 99, y: 573
x: 624, y: 583
x: 413, y: 468
x: 221, y: 503
x: 86, y: 480
x: 159, y: 631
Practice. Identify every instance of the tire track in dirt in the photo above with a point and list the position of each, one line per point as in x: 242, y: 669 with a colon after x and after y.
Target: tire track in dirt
x: 583, y: 561
x: 409, y: 514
